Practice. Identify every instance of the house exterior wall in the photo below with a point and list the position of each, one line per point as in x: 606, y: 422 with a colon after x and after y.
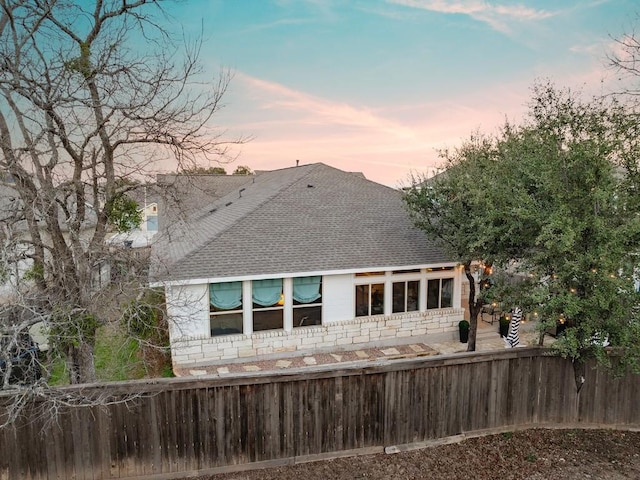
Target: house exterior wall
x: 338, y: 292
x: 188, y: 311
x: 192, y: 344
x: 149, y: 218
x: 191, y: 352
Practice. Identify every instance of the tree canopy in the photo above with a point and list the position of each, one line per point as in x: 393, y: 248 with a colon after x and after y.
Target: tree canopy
x: 242, y: 170
x: 203, y: 171
x: 449, y: 208
x: 555, y: 200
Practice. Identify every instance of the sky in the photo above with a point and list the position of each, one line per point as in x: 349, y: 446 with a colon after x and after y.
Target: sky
x: 380, y: 86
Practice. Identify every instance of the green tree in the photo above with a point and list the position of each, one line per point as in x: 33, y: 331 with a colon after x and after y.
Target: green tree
x: 570, y: 177
x: 450, y: 208
x: 203, y: 171
x: 242, y: 170
x: 123, y: 213
x: 555, y: 198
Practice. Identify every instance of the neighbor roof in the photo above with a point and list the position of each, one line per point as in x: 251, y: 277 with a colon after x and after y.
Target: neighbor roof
x: 301, y: 219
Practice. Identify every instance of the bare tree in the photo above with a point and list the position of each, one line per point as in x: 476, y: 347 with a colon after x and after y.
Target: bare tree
x: 624, y: 58
x: 92, y: 93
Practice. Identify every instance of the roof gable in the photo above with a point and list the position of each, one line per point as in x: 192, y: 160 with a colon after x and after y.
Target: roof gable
x: 307, y: 218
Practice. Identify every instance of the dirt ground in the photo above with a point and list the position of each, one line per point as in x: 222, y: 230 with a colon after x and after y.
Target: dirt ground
x: 532, y: 454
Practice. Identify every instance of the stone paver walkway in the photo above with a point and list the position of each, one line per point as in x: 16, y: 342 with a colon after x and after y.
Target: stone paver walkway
x: 487, y: 339
x: 337, y: 358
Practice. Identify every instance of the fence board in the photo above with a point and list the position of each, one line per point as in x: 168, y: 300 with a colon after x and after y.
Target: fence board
x: 179, y: 426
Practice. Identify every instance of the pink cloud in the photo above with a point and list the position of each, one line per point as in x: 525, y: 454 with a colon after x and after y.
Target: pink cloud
x: 385, y: 143
x: 497, y: 16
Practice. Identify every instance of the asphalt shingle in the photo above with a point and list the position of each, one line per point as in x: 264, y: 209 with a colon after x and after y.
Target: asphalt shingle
x: 300, y: 219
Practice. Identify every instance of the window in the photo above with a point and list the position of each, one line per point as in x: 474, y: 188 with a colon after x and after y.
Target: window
x: 268, y: 304
x: 152, y: 223
x: 440, y: 293
x: 405, y: 296
x: 225, y: 308
x: 369, y: 299
x: 307, y: 301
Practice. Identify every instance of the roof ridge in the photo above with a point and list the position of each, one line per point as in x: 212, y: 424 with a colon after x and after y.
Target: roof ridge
x: 226, y: 201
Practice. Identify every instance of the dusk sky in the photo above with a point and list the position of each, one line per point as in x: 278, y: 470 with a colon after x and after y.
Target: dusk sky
x: 377, y: 86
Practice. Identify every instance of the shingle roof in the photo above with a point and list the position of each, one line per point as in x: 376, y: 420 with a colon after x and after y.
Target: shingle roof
x: 180, y: 195
x: 300, y: 219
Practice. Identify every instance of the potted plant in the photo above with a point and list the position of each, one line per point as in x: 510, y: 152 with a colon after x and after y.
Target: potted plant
x: 463, y: 328
x: 504, y: 326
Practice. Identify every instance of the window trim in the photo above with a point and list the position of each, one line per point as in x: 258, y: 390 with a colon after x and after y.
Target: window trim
x: 439, y: 279
x: 369, y: 286
x: 301, y: 306
x: 287, y: 305
x: 405, y: 283
x: 221, y: 312
x: 423, y: 276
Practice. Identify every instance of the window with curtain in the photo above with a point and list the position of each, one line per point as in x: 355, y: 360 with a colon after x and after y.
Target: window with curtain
x: 307, y: 301
x: 440, y: 293
x: 268, y: 304
x: 225, y: 308
x: 369, y: 299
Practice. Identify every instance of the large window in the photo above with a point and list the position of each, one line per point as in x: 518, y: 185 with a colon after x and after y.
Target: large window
x: 268, y: 304
x: 405, y: 296
x: 225, y: 308
x: 307, y: 301
x: 440, y: 293
x: 369, y: 299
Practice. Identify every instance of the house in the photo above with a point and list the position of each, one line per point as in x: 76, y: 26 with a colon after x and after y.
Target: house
x: 180, y: 194
x: 302, y: 259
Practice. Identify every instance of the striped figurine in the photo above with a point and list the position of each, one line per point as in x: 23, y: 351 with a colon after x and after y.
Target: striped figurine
x: 513, y: 339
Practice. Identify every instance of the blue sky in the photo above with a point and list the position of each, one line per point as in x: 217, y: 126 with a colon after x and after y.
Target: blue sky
x: 378, y: 86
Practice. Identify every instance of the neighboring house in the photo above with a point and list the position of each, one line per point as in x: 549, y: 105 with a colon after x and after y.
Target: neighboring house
x: 179, y: 194
x: 150, y: 217
x: 302, y: 259
x: 129, y: 250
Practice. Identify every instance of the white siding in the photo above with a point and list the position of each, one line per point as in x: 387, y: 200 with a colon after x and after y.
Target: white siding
x: 337, y: 298
x: 192, y: 344
x: 188, y: 309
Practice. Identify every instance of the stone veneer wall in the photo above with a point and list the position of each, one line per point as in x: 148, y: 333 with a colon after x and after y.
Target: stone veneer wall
x: 345, y: 335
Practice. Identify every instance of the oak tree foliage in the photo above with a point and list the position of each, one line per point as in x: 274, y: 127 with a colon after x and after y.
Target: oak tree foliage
x: 553, y: 200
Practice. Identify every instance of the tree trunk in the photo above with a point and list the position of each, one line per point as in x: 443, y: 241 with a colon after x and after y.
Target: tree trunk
x: 579, y: 373
x: 73, y: 364
x: 474, y: 308
x: 80, y: 363
x: 87, y: 365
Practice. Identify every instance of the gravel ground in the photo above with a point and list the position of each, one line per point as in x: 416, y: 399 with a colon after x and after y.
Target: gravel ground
x: 536, y: 454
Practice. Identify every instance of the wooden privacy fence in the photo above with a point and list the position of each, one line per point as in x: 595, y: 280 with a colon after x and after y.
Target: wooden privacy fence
x: 180, y: 426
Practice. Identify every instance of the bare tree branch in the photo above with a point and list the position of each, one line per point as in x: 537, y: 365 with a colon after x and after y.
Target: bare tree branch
x: 85, y: 113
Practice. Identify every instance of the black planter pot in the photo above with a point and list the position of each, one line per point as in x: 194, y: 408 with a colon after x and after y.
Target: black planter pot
x: 504, y: 326
x: 463, y: 328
